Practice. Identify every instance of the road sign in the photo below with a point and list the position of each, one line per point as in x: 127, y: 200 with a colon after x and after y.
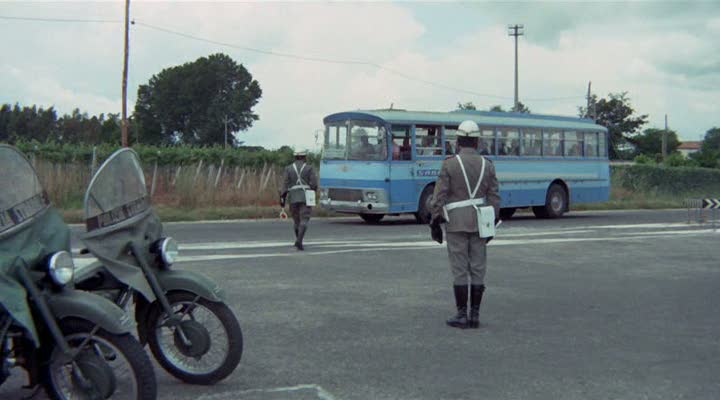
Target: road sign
x: 711, y: 203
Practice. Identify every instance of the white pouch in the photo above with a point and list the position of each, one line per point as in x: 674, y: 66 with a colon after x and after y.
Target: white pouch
x: 310, y: 198
x: 486, y: 221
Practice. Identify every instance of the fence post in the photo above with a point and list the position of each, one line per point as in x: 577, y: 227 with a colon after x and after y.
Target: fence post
x: 177, y: 175
x: 217, y: 178
x: 267, y: 179
x: 197, y: 171
x: 240, y: 181
x: 93, y: 162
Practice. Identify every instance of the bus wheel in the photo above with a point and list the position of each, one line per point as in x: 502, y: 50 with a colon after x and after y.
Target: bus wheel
x: 555, y: 203
x: 507, y: 213
x: 372, y: 218
x: 422, y: 216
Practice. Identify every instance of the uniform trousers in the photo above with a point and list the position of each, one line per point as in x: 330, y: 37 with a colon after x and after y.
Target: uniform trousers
x: 468, y: 257
x: 300, y: 214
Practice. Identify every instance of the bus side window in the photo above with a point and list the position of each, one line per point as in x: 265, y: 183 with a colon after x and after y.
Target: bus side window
x: 573, y: 144
x: 552, y: 144
x: 531, y: 142
x: 591, y: 144
x: 602, y: 145
x: 427, y: 141
x: 486, y: 145
x: 401, y: 148
x: 509, y: 142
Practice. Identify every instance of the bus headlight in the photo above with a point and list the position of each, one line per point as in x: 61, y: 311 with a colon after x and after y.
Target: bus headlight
x: 323, y: 194
x: 371, y: 196
x: 61, y: 268
x: 167, y: 249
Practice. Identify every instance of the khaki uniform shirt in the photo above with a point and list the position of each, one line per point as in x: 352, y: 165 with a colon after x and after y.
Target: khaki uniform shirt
x: 291, y: 179
x: 450, y: 187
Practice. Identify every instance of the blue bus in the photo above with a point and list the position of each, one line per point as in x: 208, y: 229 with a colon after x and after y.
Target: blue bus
x: 385, y: 162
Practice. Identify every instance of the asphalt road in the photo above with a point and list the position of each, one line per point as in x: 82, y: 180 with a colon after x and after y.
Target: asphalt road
x: 596, y: 305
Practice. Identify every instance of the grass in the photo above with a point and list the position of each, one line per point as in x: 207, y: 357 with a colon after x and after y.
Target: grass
x: 212, y: 192
x: 175, y: 214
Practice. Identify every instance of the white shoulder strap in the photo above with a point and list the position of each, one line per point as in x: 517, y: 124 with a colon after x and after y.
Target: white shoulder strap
x: 299, y: 179
x: 472, y: 193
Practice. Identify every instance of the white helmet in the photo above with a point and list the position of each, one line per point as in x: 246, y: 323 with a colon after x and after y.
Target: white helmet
x: 301, y: 153
x: 468, y: 128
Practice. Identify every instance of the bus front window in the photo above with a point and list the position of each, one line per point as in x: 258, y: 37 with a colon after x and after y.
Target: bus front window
x: 334, y: 147
x: 367, y: 142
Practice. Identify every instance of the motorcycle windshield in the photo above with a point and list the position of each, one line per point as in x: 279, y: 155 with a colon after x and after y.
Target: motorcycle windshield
x: 22, y: 197
x: 117, y: 213
x: 30, y: 231
x: 117, y: 192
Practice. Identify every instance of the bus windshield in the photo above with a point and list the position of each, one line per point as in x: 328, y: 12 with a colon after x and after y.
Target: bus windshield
x: 356, y: 140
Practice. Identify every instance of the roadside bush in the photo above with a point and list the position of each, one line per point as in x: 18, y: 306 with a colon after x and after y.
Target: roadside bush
x: 644, y: 160
x: 677, y: 182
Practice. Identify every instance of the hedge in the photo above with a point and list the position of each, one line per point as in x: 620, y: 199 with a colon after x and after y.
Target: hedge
x: 674, y: 181
x: 163, y: 155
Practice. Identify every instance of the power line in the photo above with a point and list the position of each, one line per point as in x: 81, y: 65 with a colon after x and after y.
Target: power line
x: 301, y: 57
x: 320, y: 59
x: 103, y: 21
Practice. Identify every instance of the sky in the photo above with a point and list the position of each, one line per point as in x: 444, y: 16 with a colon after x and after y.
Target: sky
x: 665, y: 55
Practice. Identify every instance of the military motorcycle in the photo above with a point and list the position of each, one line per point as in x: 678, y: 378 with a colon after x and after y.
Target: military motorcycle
x: 180, y: 314
x: 76, y: 345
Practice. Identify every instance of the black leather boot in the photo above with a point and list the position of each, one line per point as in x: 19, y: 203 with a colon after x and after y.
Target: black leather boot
x: 461, y: 297
x: 300, y: 235
x: 476, y: 295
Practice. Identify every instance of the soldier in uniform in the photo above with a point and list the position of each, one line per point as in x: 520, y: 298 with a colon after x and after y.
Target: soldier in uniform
x: 298, y: 178
x: 467, y: 180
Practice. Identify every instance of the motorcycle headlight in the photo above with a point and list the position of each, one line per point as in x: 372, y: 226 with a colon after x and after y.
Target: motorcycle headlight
x: 168, y: 250
x: 61, y: 268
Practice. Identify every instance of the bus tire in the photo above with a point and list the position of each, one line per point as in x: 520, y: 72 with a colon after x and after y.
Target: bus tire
x: 555, y: 203
x: 422, y: 216
x: 507, y: 213
x: 372, y: 218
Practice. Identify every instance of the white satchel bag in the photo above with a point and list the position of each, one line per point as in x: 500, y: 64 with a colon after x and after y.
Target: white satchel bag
x: 310, y: 198
x: 486, y: 221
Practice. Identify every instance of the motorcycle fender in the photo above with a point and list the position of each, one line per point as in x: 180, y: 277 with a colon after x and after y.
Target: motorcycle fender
x: 193, y: 282
x: 90, y: 307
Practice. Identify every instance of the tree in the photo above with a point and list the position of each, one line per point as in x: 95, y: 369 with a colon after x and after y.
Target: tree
x: 712, y: 140
x: 496, y: 108
x: 650, y: 142
x: 521, y: 108
x: 467, y: 106
x: 617, y: 115
x: 190, y: 103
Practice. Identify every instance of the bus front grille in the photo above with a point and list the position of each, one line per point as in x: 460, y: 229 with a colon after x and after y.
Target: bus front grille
x: 345, y: 194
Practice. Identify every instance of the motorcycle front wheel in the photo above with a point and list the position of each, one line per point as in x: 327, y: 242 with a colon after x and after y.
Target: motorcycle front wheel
x: 106, y: 366
x: 204, y: 348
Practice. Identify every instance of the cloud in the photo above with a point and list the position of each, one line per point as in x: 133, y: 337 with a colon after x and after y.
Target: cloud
x: 645, y: 49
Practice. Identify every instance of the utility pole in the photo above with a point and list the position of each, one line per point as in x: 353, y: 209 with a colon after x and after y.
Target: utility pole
x: 516, y: 30
x: 124, y: 122
x: 226, y: 122
x: 664, y: 140
x: 587, y: 112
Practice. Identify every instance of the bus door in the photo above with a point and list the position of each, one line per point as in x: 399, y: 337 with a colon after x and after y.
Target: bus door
x: 402, y: 188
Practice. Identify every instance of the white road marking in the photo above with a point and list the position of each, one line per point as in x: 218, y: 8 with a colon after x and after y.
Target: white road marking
x: 345, y: 247
x: 321, y: 393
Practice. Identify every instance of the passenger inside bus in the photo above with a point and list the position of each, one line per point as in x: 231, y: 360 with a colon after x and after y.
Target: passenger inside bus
x: 484, y: 148
x: 401, y: 149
